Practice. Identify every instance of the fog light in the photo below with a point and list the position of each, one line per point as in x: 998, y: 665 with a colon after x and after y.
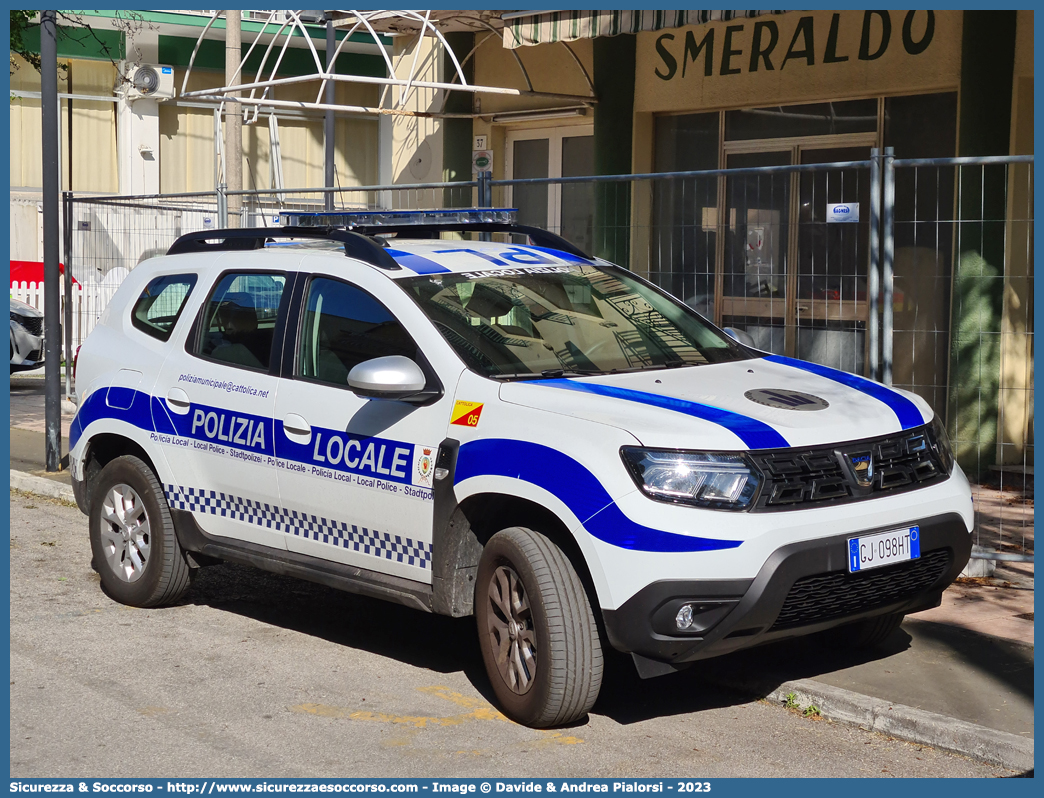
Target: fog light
x: 684, y: 617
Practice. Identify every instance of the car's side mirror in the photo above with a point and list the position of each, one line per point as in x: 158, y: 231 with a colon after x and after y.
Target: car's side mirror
x: 742, y: 336
x: 391, y: 377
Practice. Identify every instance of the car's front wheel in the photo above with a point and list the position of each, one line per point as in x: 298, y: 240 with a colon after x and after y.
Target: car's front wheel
x: 132, y: 536
x: 537, y: 630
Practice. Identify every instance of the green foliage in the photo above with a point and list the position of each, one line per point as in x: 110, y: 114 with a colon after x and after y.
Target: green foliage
x: 811, y: 711
x: 790, y: 701
x: 20, y: 23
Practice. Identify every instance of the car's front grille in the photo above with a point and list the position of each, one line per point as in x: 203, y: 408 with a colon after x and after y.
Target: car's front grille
x: 827, y: 474
x: 32, y: 324
x: 824, y: 597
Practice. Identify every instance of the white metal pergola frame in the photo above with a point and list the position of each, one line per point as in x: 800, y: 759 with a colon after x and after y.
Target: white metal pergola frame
x: 405, y: 85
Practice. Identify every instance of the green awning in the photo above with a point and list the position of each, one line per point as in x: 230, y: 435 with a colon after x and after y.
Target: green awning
x: 540, y: 27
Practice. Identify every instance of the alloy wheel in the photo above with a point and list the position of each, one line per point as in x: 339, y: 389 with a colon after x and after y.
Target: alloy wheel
x: 510, y: 626
x: 125, y: 532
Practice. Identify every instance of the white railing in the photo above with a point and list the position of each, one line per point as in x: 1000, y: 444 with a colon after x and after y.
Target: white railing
x: 88, y: 303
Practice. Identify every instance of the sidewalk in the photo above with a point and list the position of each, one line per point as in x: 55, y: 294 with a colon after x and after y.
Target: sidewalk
x: 959, y: 676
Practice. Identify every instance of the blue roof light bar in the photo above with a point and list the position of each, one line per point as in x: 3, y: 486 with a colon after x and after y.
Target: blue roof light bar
x: 419, y: 218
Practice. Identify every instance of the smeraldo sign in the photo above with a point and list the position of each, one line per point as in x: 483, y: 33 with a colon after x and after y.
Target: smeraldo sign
x: 843, y: 212
x: 763, y: 46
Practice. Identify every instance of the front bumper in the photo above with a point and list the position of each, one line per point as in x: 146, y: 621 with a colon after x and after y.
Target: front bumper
x: 733, y: 614
x: 27, y: 350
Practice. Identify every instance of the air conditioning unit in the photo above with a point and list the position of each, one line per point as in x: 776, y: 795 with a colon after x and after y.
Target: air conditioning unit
x: 150, y: 82
x: 262, y: 16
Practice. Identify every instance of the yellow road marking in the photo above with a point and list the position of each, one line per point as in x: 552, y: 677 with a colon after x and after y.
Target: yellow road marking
x: 480, y: 710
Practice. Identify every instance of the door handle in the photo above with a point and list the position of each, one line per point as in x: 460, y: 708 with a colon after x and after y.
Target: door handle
x: 294, y: 424
x: 178, y: 401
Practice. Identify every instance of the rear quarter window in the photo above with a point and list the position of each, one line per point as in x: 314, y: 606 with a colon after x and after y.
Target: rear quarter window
x: 159, y: 307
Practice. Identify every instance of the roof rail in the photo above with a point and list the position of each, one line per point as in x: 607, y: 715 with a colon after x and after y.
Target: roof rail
x: 539, y: 236
x: 356, y: 245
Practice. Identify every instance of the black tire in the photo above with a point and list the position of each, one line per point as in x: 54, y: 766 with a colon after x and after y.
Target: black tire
x: 558, y: 682
x: 867, y: 633
x: 150, y: 569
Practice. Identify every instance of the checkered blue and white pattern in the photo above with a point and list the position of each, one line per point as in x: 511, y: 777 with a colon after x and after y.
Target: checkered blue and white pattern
x: 331, y: 531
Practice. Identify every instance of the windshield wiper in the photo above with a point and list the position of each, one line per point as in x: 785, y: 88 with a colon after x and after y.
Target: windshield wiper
x: 556, y: 373
x: 546, y: 374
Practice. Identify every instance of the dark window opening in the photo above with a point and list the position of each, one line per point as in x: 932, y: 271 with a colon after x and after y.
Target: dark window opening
x: 342, y: 327
x: 159, y: 307
x: 240, y: 318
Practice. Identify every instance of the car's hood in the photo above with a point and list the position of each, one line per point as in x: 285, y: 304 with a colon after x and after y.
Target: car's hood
x: 747, y: 404
x: 22, y: 309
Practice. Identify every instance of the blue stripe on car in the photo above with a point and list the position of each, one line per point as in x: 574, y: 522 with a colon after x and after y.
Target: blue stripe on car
x: 416, y: 263
x: 578, y: 489
x: 133, y: 408
x: 755, y: 434
x: 905, y: 410
x: 331, y: 449
x: 539, y: 465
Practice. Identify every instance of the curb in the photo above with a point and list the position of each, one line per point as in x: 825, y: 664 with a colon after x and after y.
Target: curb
x: 42, y: 486
x: 898, y: 720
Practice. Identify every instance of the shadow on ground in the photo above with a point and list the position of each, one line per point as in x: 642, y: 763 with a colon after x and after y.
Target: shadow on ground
x: 447, y: 645
x: 434, y: 642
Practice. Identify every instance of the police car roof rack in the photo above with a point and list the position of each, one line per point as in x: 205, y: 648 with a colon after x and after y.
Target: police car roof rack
x: 428, y: 224
x: 356, y: 245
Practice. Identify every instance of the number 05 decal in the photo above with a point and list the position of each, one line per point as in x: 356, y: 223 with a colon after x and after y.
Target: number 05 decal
x: 466, y: 414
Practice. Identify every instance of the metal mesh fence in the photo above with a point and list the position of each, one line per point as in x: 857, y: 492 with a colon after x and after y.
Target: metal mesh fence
x: 963, y: 326
x: 751, y: 248
x: 929, y: 285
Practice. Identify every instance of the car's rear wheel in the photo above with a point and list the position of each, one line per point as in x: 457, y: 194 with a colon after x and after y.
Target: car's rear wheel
x: 537, y: 630
x: 867, y: 633
x: 133, y: 544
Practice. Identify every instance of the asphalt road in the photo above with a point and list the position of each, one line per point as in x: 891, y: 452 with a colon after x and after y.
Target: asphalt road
x: 256, y: 675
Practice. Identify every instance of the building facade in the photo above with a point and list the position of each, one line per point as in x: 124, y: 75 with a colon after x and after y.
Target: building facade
x: 662, y: 92
x: 110, y: 144
x: 755, y: 251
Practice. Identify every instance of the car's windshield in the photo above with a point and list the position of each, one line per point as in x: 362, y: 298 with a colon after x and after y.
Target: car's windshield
x: 546, y: 321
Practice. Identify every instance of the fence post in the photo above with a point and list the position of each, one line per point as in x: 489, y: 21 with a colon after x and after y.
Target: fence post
x: 887, y: 251
x: 873, y: 288
x: 222, y: 203
x: 50, y: 189
x: 485, y: 190
x: 67, y: 223
x: 485, y: 198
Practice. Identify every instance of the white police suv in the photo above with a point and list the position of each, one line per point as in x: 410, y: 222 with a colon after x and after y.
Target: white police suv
x: 512, y: 430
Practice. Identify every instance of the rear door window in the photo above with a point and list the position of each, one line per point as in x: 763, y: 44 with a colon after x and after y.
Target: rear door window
x: 239, y: 319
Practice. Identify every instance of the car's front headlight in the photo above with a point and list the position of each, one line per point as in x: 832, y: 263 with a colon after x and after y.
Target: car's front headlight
x: 941, y: 444
x: 717, y: 480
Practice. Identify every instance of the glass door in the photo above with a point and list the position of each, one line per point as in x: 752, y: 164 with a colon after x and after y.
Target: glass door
x: 831, y: 300
x: 567, y: 209
x: 792, y: 280
x: 757, y: 236
x: 530, y: 158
